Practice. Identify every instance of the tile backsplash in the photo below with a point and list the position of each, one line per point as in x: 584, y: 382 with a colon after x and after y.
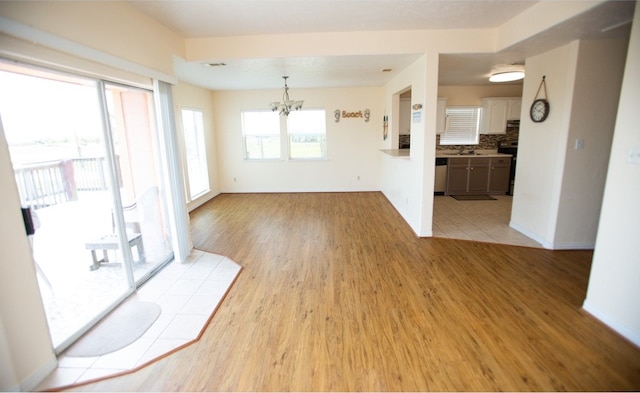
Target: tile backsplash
x: 487, y: 142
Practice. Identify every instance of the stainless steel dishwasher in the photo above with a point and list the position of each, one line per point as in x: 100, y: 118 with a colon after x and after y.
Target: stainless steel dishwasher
x: 440, y: 184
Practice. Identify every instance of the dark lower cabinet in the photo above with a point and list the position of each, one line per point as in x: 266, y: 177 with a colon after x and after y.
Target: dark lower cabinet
x: 457, y: 176
x: 478, y: 175
x: 499, y: 176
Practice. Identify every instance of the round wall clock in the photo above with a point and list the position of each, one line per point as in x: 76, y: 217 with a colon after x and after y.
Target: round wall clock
x: 539, y: 110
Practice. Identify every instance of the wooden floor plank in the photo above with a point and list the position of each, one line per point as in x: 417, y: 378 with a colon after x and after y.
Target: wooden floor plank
x: 338, y: 294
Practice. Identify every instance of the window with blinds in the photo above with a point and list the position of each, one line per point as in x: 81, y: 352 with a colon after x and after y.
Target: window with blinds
x: 462, y: 126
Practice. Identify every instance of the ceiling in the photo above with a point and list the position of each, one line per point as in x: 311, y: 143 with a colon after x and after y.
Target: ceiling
x: 222, y: 18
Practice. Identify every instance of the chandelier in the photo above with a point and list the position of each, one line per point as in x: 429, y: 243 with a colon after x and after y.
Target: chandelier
x: 287, y: 105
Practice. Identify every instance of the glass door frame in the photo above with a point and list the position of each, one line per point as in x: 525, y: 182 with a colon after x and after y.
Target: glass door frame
x: 164, y: 171
x: 118, y: 214
x: 175, y: 204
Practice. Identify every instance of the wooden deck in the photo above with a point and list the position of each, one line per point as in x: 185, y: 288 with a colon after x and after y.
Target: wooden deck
x: 338, y: 294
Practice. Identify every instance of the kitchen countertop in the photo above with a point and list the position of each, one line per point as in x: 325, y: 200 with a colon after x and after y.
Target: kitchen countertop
x: 397, y: 153
x: 479, y: 153
x: 404, y: 153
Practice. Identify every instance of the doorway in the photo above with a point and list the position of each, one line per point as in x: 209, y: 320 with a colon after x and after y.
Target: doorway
x: 85, y: 158
x: 404, y: 121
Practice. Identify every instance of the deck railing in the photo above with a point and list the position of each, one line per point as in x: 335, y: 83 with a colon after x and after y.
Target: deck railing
x: 49, y: 183
x: 90, y: 174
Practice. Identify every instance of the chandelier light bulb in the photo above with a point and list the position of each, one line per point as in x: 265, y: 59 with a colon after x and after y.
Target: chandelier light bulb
x: 287, y: 105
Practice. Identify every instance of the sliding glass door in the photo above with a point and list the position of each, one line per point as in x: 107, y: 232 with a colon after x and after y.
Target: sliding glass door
x: 140, y: 175
x: 86, y: 162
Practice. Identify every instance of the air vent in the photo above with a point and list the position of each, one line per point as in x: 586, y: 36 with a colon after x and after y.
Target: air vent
x: 215, y: 64
x: 387, y: 69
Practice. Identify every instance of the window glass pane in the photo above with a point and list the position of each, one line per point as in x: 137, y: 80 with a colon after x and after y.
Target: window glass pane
x: 462, y: 126
x: 196, y: 155
x: 307, y: 134
x: 261, y: 132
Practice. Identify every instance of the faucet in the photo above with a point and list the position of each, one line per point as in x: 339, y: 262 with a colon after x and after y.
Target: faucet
x: 461, y: 150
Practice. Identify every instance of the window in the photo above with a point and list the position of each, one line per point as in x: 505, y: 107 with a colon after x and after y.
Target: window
x: 261, y: 133
x: 307, y: 134
x: 196, y: 154
x: 266, y: 134
x: 462, y: 126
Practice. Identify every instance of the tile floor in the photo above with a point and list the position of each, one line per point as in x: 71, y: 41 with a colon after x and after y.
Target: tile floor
x: 187, y: 293
x: 484, y: 221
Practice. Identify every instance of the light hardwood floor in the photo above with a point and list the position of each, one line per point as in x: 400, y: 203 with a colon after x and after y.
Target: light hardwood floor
x: 338, y: 294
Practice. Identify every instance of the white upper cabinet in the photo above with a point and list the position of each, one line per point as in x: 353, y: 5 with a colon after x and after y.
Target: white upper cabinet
x: 494, y: 116
x: 441, y: 116
x: 515, y: 106
x: 495, y: 113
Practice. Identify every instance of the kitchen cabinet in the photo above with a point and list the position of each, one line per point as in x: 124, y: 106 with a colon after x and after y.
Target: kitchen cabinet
x: 468, y: 175
x: 494, y: 116
x: 478, y: 175
x: 513, y: 108
x: 499, y: 175
x: 441, y: 115
x: 495, y: 113
x: 457, y: 176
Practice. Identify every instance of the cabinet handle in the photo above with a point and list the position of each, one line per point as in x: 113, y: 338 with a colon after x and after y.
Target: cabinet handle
x: 492, y: 168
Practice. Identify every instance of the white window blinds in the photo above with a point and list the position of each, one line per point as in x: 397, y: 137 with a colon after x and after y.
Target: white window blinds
x: 462, y: 125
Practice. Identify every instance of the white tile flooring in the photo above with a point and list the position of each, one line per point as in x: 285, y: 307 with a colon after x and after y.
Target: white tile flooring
x: 484, y: 221
x: 187, y: 293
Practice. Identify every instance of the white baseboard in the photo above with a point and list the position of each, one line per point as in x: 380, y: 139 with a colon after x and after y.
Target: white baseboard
x: 550, y: 245
x: 530, y: 235
x: 573, y: 246
x: 32, y: 381
x: 625, y: 332
x: 201, y: 200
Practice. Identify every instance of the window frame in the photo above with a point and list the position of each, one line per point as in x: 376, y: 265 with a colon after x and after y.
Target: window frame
x: 322, y: 136
x: 284, y: 137
x: 202, y: 152
x: 245, y: 150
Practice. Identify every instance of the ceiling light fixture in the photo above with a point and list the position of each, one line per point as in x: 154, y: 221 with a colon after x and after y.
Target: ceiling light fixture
x: 287, y: 105
x: 508, y: 76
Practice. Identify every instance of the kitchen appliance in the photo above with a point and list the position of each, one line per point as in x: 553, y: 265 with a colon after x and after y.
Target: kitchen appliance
x: 440, y: 185
x: 510, y: 147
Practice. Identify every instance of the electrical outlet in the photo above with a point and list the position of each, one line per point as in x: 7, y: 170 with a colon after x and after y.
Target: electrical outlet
x: 634, y: 155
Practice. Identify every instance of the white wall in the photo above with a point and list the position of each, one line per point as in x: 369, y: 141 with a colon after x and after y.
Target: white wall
x: 352, y: 143
x: 111, y: 27
x: 614, y: 294
x: 557, y: 200
x: 541, y: 146
x: 471, y: 95
x: 600, y: 66
x: 407, y: 182
x: 187, y: 96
